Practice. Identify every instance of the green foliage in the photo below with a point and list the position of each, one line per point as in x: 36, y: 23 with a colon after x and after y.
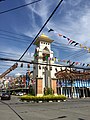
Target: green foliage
x: 43, y: 98
x: 31, y: 91
x: 48, y: 91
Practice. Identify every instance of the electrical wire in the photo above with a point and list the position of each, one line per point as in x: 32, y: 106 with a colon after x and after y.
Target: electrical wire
x: 14, y: 37
x: 63, y: 46
x: 15, y: 8
x: 41, y: 28
x: 70, y: 55
x: 2, y: 0
x: 5, y: 31
x: 24, y: 61
x: 26, y: 40
x: 75, y: 55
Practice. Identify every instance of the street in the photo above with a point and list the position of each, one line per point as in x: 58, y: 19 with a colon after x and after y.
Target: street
x: 72, y: 109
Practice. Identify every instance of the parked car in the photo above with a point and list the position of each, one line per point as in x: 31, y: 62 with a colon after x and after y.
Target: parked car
x: 19, y: 93
x: 5, y: 96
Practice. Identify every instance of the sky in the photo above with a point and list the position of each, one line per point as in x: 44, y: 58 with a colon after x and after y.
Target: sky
x: 19, y: 27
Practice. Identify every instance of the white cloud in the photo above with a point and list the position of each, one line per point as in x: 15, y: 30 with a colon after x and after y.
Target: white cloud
x: 74, y: 2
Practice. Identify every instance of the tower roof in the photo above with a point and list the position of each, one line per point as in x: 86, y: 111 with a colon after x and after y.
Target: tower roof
x: 43, y: 38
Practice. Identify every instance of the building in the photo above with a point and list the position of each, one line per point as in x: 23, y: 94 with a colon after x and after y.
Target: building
x: 43, y: 71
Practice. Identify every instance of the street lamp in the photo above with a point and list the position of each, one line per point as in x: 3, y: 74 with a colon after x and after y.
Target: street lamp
x: 83, y: 89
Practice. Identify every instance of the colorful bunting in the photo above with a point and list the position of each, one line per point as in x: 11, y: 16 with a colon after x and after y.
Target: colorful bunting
x: 66, y: 61
x: 71, y: 41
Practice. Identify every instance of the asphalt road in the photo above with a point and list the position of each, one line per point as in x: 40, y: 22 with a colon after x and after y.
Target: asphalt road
x: 74, y: 109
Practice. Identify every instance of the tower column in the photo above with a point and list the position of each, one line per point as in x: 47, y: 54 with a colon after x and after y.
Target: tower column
x: 53, y: 83
x: 39, y: 86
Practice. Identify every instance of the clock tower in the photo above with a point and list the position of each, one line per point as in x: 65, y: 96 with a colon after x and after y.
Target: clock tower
x: 42, y: 69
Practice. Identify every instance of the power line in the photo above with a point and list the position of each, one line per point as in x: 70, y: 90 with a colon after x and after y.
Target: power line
x: 73, y: 54
x: 2, y: 0
x: 41, y: 29
x: 21, y: 39
x: 26, y: 40
x: 3, y: 34
x: 16, y: 39
x: 58, y: 46
x: 15, y: 33
x: 15, y: 8
x: 24, y: 61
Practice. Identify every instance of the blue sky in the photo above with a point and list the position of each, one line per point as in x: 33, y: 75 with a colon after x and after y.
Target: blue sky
x: 19, y: 27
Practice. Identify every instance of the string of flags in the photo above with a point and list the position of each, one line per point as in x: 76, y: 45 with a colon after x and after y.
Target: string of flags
x: 28, y: 65
x: 68, y: 62
x: 55, y: 59
x: 71, y: 42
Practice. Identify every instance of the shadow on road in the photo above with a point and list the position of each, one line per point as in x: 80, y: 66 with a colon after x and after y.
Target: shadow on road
x: 80, y: 119
x: 59, y: 117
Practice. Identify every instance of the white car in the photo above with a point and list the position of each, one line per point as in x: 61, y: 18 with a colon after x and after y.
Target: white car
x: 20, y: 93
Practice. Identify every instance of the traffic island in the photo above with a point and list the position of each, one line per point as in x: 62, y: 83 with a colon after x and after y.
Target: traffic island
x: 47, y: 98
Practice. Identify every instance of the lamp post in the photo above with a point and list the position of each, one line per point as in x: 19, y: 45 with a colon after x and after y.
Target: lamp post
x: 83, y: 89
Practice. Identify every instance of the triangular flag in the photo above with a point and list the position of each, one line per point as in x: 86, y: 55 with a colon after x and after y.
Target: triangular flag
x: 58, y: 60
x: 28, y: 65
x: 68, y: 61
x: 87, y: 64
x: 21, y: 65
x: 64, y: 60
x: 64, y: 37
x: 70, y: 41
x: 76, y: 44
x: 83, y: 64
x: 76, y: 63
x: 81, y: 45
x: 60, y: 34
x: 89, y: 50
x: 85, y: 47
x: 72, y: 63
x: 55, y: 59
x: 73, y: 42
x: 50, y: 30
